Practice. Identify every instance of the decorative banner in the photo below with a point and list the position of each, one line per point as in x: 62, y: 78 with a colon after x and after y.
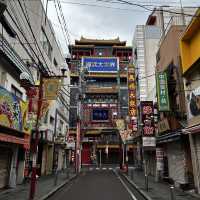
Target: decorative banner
x: 26, y: 123
x: 100, y: 64
x: 132, y: 98
x: 10, y: 111
x: 162, y: 91
x: 147, y: 118
x: 51, y: 87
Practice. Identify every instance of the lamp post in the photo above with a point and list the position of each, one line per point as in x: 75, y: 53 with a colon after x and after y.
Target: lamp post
x: 24, y: 78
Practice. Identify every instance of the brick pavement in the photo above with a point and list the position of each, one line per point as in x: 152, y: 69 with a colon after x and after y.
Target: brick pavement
x: 45, y: 184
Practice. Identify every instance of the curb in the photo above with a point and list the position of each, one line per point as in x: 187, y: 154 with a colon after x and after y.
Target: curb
x: 144, y: 194
x: 57, y: 188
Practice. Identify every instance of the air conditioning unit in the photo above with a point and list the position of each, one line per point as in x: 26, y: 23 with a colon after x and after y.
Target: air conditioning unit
x: 3, y: 6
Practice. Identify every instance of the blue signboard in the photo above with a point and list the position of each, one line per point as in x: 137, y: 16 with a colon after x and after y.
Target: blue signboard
x: 98, y: 64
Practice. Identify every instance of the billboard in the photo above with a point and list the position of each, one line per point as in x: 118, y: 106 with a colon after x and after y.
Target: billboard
x: 101, y: 64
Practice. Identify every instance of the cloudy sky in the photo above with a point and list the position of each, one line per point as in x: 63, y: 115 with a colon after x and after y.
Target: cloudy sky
x: 104, y: 19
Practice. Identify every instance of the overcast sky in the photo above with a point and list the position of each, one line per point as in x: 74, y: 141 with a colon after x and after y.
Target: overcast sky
x: 94, y: 21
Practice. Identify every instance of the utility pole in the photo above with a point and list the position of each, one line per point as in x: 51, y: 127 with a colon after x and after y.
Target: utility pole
x: 35, y: 146
x: 182, y: 13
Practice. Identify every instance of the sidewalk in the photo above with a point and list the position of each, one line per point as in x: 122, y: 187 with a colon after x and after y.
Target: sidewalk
x: 159, y: 190
x: 44, y: 186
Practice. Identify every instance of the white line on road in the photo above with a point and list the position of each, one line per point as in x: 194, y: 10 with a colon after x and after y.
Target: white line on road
x: 126, y: 187
x: 104, y: 168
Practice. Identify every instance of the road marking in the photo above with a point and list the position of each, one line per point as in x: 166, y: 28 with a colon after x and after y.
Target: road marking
x: 90, y: 168
x: 126, y: 187
x: 97, y: 168
x: 110, y: 168
x: 104, y: 168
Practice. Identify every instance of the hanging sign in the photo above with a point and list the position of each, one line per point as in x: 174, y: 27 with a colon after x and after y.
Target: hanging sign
x: 51, y: 87
x: 148, y: 128
x: 162, y: 91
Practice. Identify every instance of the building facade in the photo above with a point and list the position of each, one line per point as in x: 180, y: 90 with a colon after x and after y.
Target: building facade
x: 148, y: 43
x: 28, y: 45
x: 189, y: 48
x: 102, y: 67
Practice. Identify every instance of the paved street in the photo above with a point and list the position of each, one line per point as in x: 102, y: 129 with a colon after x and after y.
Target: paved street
x: 96, y: 185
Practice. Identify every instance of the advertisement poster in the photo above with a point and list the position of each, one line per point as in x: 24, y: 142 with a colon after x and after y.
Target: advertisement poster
x: 10, y: 111
x: 193, y: 102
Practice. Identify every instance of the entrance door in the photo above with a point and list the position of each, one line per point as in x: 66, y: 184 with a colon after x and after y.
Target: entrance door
x: 5, y: 158
x: 86, y: 160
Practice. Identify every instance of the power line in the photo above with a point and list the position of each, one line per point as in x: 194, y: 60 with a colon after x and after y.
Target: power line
x: 155, y: 9
x: 60, y: 22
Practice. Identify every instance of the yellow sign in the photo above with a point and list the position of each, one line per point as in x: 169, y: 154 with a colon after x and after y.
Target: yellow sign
x: 51, y: 87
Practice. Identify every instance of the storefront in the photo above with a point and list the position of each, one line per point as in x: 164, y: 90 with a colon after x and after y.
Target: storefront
x: 14, y: 139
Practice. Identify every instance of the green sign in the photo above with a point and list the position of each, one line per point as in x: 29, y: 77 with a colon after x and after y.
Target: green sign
x: 162, y: 91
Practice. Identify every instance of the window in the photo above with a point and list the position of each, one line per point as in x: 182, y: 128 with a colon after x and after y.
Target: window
x: 55, y: 63
x: 46, y: 44
x: 16, y: 92
x: 51, y: 120
x: 100, y: 115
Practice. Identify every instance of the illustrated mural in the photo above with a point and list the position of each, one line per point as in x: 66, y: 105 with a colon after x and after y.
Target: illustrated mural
x: 10, y: 111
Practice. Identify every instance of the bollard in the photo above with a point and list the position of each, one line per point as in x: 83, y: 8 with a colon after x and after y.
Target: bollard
x: 172, y: 192
x: 56, y: 177
x: 146, y: 182
x: 67, y: 173
x: 132, y: 172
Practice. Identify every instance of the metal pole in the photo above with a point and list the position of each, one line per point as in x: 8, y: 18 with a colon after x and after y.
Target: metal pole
x: 172, y: 192
x: 35, y: 146
x: 122, y: 154
x: 100, y: 157
x: 182, y: 13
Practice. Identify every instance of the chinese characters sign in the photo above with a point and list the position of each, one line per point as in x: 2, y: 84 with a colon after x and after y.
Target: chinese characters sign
x: 100, y: 64
x: 148, y: 127
x: 132, y: 97
x: 147, y: 118
x: 162, y: 90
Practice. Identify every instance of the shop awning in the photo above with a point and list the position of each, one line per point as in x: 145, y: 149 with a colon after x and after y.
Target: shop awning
x: 170, y: 137
x: 191, y: 129
x: 16, y: 140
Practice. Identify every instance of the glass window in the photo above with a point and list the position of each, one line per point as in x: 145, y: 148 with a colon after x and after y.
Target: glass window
x: 16, y: 92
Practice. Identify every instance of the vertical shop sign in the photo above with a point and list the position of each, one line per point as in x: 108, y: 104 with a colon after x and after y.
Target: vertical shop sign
x: 132, y: 98
x: 162, y: 91
x: 148, y: 128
